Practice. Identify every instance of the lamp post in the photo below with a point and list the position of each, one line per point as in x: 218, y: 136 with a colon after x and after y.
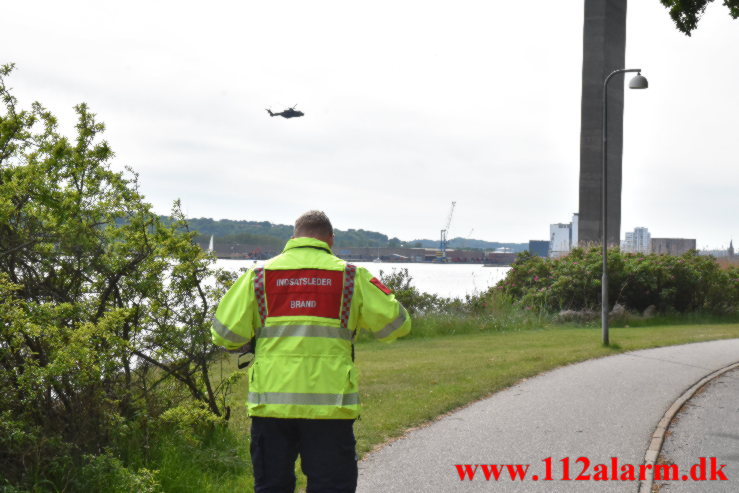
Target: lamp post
x: 638, y: 82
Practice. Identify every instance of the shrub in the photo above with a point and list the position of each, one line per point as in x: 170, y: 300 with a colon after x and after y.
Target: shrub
x: 105, y: 309
x: 686, y: 283
x: 106, y: 473
x: 189, y: 422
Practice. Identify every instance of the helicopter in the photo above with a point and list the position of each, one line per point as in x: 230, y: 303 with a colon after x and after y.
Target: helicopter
x: 288, y: 113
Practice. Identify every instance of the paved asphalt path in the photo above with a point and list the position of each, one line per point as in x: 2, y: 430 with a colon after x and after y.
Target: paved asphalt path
x: 707, y: 426
x: 598, y: 409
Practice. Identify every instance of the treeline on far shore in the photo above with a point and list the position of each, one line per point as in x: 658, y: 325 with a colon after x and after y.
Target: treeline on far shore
x: 271, y: 236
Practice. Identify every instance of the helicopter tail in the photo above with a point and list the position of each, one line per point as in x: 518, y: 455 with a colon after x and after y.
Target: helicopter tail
x: 270, y: 112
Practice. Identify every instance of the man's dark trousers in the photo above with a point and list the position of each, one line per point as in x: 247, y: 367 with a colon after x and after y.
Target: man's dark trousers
x: 326, y: 448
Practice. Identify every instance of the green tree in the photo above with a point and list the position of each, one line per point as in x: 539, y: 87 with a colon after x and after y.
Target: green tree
x: 687, y: 13
x: 102, y: 305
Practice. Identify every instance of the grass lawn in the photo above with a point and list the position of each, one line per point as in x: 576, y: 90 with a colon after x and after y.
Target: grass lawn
x: 413, y: 381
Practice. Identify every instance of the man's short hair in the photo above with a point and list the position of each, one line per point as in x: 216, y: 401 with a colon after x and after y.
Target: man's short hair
x: 313, y: 224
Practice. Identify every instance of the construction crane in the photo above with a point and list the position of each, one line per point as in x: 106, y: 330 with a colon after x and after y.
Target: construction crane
x: 468, y: 237
x: 443, y: 240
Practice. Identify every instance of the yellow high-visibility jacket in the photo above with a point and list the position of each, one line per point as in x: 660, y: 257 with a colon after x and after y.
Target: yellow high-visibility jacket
x: 304, y: 308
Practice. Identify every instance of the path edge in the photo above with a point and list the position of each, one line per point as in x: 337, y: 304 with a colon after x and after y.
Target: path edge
x: 658, y: 437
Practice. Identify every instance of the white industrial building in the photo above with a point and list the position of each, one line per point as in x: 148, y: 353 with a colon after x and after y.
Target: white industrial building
x: 563, y: 237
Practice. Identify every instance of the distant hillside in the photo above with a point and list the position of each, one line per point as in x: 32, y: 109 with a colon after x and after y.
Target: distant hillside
x: 246, y: 230
x: 273, y: 235
x: 270, y: 234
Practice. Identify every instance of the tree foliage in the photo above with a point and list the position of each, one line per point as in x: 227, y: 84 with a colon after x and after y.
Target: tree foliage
x: 687, y: 13
x: 268, y: 234
x: 104, y: 308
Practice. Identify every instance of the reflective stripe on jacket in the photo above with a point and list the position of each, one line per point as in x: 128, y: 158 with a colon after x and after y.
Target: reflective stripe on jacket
x: 304, y: 308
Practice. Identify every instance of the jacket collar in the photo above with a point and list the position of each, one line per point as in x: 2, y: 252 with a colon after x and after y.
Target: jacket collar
x: 306, y: 242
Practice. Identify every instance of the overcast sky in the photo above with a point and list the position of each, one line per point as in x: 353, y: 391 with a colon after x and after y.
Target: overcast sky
x: 408, y: 106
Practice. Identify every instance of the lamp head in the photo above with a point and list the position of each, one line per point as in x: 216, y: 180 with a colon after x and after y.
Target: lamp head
x: 638, y: 82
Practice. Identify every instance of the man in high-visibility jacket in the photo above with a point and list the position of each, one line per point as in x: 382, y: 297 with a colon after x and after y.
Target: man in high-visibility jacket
x: 304, y: 308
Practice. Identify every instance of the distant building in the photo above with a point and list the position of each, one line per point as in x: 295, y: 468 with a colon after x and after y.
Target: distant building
x: 672, y: 246
x: 718, y: 253
x: 559, y: 239
x: 637, y: 241
x: 574, y: 230
x: 499, y: 258
x: 721, y: 252
x: 563, y: 237
x: 540, y: 248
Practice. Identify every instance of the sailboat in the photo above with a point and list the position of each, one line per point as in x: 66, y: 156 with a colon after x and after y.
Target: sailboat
x: 210, y: 245
x: 378, y: 256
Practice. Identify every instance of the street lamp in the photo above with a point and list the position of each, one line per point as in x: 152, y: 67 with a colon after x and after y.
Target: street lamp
x: 638, y: 82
